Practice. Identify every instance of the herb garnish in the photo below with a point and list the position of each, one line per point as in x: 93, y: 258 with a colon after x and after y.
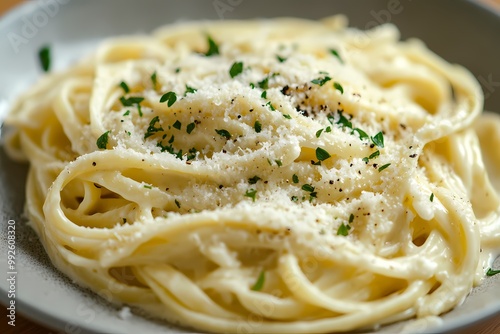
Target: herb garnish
x: 131, y: 101
x: 295, y: 178
x: 102, y: 141
x: 287, y: 116
x: 336, y: 54
x: 190, y: 127
x: 152, y: 129
x: 251, y: 193
x: 190, y: 90
x: 259, y: 284
x: 44, y: 56
x: 223, y: 133
x: 318, y: 133
x: 321, y: 154
x: 264, y: 94
x: 383, y: 167
x: 321, y: 81
x: 177, y: 125
x: 154, y: 80
x: 378, y: 139
x: 343, y: 230
x: 308, y: 188
x: 177, y: 202
x: 126, y: 113
x: 264, y: 84
x: 257, y: 126
x: 253, y: 180
x: 270, y: 105
x: 492, y: 272
x: 125, y: 87
x: 362, y: 134
x: 278, y: 162
x: 213, y: 48
x: 236, y: 69
x: 148, y: 186
x: 432, y: 197
x: 171, y: 97
x: 281, y: 59
x: 338, y: 87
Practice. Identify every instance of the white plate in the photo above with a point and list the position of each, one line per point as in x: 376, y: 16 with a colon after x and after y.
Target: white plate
x: 466, y: 34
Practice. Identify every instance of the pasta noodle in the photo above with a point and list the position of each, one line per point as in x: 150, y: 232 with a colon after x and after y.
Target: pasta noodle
x: 264, y: 176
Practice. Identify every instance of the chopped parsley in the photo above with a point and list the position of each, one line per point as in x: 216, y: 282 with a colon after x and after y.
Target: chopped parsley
x: 44, y: 57
x: 321, y: 154
x: 295, y: 178
x: 102, y: 141
x: 372, y: 156
x: 190, y: 127
x: 251, y: 194
x: 270, y: 105
x: 264, y: 94
x: 281, y: 59
x: 223, y: 133
x: 177, y: 125
x: 148, y: 186
x: 259, y: 284
x: 192, y: 153
x: 378, y: 139
x: 264, y: 84
x: 129, y: 102
x: 171, y: 97
x: 318, y: 133
x: 343, y: 230
x: 308, y: 188
x: 328, y: 129
x: 190, y: 90
x: 152, y: 129
x: 236, y: 69
x: 321, y: 81
x: 126, y: 113
x: 492, y: 272
x: 383, y: 167
x: 257, y: 126
x: 343, y: 121
x: 361, y: 133
x: 338, y: 87
x: 177, y: 202
x: 294, y: 199
x: 125, y: 87
x: 213, y: 48
x: 432, y: 197
x: 336, y: 54
x: 254, y: 180
x: 287, y: 116
x: 154, y: 80
x: 278, y: 162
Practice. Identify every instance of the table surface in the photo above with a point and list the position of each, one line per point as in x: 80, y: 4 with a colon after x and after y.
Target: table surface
x: 25, y: 326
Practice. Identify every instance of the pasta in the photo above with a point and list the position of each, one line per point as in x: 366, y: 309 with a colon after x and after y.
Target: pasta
x: 264, y: 176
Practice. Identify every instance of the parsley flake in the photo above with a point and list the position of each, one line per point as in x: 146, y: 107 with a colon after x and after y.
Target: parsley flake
x: 152, y: 129
x: 236, y: 69
x: 287, y: 116
x: 492, y: 272
x: 148, y: 186
x: 338, y: 87
x: 270, y: 105
x: 190, y: 127
x: 295, y: 178
x: 251, y: 194
x: 259, y: 284
x: 125, y: 87
x: 177, y: 125
x: 131, y: 101
x: 281, y: 59
x: 223, y: 133
x: 278, y: 162
x: 257, y: 126
x: 190, y: 90
x: 44, y: 57
x: 254, y: 180
x: 171, y: 97
x: 321, y: 154
x: 321, y: 81
x: 126, y: 113
x: 336, y: 54
x: 102, y: 141
x: 432, y: 197
x: 177, y: 202
x: 308, y: 188
x: 154, y: 80
x: 362, y: 135
x: 378, y: 139
x: 318, y: 133
x: 343, y: 230
x: 213, y: 48
x: 383, y: 167
x: 264, y: 94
